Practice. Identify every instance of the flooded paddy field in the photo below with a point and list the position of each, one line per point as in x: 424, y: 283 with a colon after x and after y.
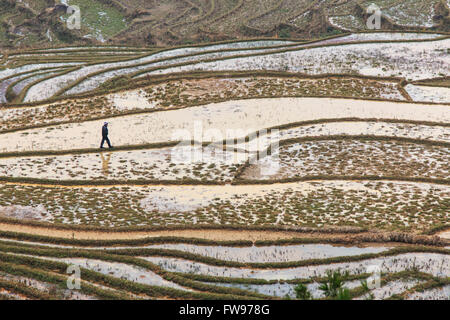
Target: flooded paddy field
x: 214, y: 122
x: 254, y: 169
x: 314, y: 203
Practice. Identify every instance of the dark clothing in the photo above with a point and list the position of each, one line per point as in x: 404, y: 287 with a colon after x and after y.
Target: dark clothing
x: 105, y: 137
x: 107, y: 141
x: 104, y: 131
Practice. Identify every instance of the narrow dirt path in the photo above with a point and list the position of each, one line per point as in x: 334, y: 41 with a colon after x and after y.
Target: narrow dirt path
x: 360, y: 239
x: 209, y: 234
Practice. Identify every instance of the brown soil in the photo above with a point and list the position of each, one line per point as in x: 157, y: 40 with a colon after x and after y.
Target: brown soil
x: 216, y: 235
x: 361, y: 239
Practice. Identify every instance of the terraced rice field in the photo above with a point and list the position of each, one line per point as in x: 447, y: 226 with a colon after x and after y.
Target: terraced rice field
x: 407, y: 13
x: 86, y: 71
x: 216, y: 272
x: 240, y: 170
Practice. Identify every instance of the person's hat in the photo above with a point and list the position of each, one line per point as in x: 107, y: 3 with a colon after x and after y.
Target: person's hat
x: 106, y: 123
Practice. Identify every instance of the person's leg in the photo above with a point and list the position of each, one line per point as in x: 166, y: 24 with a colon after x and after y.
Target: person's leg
x: 103, y: 141
x: 109, y: 143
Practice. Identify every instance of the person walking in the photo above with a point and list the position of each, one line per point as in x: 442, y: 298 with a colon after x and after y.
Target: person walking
x: 105, y: 136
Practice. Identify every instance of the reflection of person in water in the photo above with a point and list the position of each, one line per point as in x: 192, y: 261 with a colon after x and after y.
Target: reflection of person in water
x: 105, y: 163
